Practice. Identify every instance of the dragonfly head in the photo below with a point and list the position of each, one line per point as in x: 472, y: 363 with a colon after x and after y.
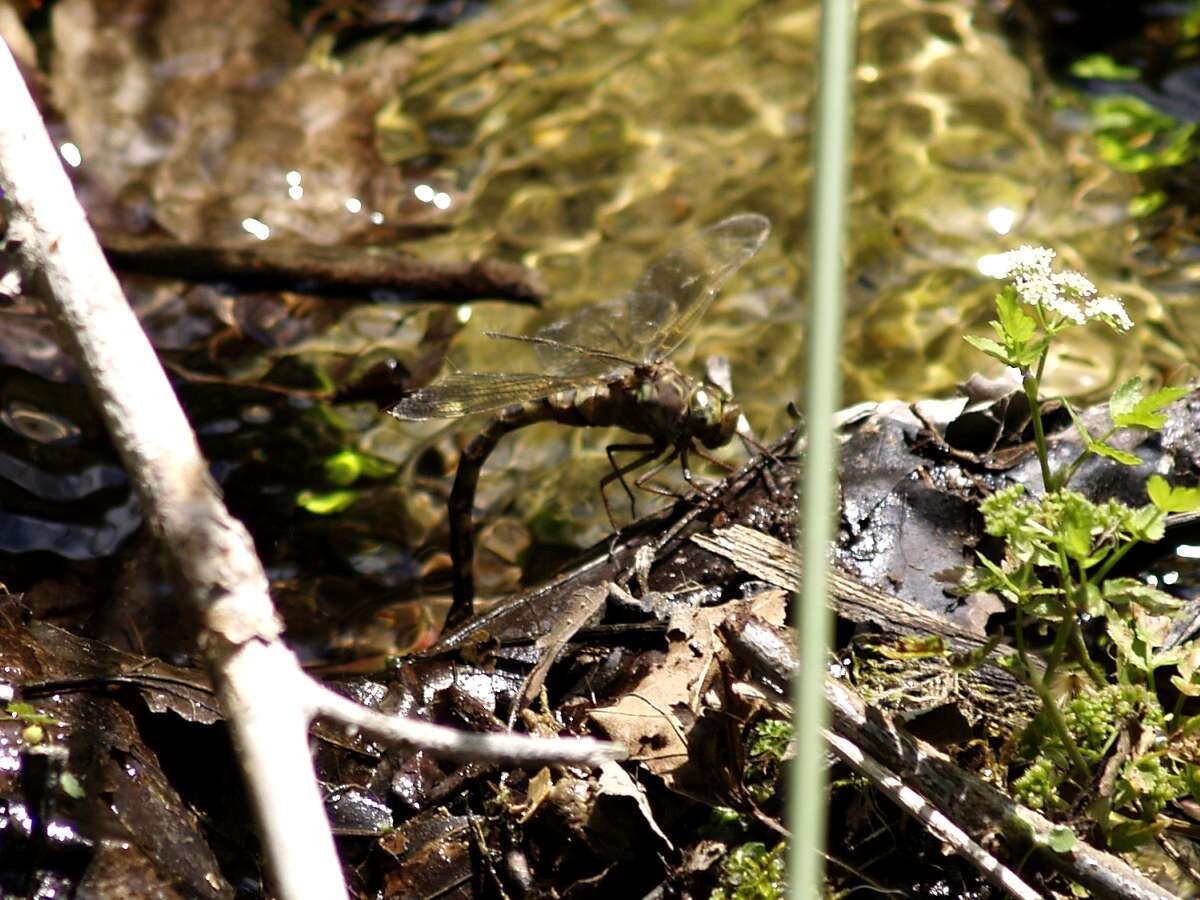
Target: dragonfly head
x: 712, y: 415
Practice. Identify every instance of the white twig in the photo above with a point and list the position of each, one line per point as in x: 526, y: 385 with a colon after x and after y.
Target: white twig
x: 937, y: 823
x: 267, y: 699
x: 449, y: 743
x: 62, y: 263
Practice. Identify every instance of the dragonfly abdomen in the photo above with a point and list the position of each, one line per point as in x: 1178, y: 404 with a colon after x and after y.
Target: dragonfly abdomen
x: 651, y: 400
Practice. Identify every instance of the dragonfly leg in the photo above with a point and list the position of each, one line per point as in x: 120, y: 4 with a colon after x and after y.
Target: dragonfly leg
x: 761, y: 451
x: 719, y: 463
x: 642, y: 482
x: 648, y: 451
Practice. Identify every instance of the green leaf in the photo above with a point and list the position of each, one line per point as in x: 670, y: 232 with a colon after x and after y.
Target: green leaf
x: 1060, y: 839
x: 1151, y: 630
x: 1121, y: 456
x: 1018, y: 325
x: 28, y: 714
x: 1125, y: 398
x: 990, y: 347
x: 1164, y: 397
x: 1146, y: 204
x: 1191, y: 779
x: 1133, y: 136
x: 1147, y: 523
x: 1171, y: 499
x: 325, y: 504
x: 1075, y: 531
x: 1129, y: 409
x: 1121, y: 591
x: 1030, y: 353
x: 1101, y: 65
x: 347, y: 466
x: 71, y: 786
x: 1084, y: 434
x: 1185, y: 687
x: 1126, y: 836
x: 343, y: 468
x: 1100, y: 448
x: 1093, y: 601
x: 1122, y: 637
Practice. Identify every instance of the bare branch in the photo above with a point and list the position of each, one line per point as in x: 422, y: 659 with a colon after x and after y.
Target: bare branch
x: 210, y: 550
x: 450, y: 743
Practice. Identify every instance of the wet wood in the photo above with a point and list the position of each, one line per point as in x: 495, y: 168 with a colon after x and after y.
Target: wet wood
x: 326, y: 271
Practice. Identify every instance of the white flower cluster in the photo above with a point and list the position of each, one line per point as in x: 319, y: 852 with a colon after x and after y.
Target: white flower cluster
x: 1068, y: 294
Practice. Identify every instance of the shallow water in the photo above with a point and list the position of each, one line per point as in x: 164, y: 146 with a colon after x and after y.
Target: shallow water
x: 580, y: 138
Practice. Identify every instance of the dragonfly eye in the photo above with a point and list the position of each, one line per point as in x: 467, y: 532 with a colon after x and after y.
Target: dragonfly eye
x: 705, y: 407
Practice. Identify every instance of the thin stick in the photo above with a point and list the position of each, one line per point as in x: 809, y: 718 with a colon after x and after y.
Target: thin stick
x: 450, y: 743
x: 934, y: 819
x: 211, y: 552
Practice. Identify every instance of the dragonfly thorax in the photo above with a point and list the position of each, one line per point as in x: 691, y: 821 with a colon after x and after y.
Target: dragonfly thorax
x: 674, y: 409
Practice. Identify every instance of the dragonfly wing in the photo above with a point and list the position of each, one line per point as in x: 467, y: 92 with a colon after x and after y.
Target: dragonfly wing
x: 602, y: 327
x: 665, y: 306
x: 676, y: 290
x: 460, y: 395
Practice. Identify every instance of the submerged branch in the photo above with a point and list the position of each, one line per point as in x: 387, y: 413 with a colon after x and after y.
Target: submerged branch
x: 314, y: 269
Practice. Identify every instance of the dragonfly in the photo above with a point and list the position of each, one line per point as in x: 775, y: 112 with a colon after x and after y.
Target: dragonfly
x: 605, y: 365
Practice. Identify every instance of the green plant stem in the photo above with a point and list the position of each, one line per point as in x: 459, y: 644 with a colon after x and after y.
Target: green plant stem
x: 1022, y: 653
x: 808, y: 785
x: 1114, y: 558
x: 1072, y: 610
x: 1030, y: 383
x: 1081, y: 653
x: 1050, y: 705
x: 1083, y: 454
x: 1059, y: 724
x: 1061, y: 636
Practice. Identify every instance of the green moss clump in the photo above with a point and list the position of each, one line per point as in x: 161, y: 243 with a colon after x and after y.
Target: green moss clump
x: 752, y: 872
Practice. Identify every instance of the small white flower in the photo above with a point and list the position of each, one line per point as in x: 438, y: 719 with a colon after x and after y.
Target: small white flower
x: 1066, y: 308
x: 1111, y: 311
x: 1036, y: 290
x: 1025, y: 261
x: 1042, y: 290
x: 1068, y: 294
x: 1075, y: 284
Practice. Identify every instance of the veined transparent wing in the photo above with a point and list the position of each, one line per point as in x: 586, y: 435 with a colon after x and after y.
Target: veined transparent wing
x: 669, y: 300
x: 462, y: 394
x: 645, y: 325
